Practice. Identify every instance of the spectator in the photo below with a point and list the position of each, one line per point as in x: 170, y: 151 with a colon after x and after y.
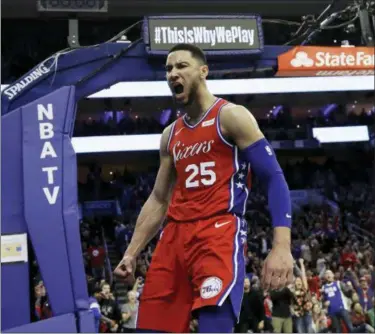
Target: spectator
x: 358, y: 318
x: 321, y: 263
x: 42, y: 307
x: 314, y: 283
x: 129, y: 313
x: 302, y: 302
x: 320, y: 322
x: 94, y: 305
x: 306, y: 251
x: 267, y: 303
x: 364, y: 291
x: 348, y: 257
x: 332, y: 293
x: 281, y: 313
x: 97, y: 256
x: 109, y: 309
x: 252, y: 314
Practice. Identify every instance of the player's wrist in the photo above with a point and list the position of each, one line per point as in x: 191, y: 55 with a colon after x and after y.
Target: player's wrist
x: 132, y: 251
x: 281, y: 237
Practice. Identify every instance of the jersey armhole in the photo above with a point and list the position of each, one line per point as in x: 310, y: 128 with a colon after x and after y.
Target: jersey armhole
x: 218, y: 128
x: 171, y: 136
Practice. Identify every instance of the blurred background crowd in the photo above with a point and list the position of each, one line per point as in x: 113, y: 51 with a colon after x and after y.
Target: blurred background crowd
x: 331, y: 186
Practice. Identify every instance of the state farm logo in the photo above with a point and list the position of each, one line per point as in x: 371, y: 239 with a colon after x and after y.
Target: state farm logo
x: 302, y: 60
x: 326, y: 59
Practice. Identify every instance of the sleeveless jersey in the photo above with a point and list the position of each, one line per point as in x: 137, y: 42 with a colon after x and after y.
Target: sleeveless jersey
x: 212, y: 179
x: 332, y: 292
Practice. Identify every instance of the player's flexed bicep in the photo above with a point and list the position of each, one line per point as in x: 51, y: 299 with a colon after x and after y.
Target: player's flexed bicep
x: 240, y: 126
x: 153, y: 211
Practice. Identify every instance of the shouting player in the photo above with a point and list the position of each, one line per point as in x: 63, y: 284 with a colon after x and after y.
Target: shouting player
x: 202, y: 188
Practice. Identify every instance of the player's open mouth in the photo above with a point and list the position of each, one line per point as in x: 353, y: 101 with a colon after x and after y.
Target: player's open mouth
x: 178, y: 89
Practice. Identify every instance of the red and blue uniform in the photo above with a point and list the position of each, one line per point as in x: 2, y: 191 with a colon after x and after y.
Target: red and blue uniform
x: 211, y: 177
x: 199, y: 260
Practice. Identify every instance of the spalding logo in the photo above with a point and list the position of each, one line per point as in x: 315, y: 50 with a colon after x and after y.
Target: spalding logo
x: 211, y: 287
x: 37, y: 72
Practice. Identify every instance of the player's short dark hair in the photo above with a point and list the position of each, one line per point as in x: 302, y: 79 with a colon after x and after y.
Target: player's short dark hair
x: 195, y: 51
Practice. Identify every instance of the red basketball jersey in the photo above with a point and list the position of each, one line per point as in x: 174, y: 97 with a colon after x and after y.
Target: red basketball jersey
x: 212, y: 179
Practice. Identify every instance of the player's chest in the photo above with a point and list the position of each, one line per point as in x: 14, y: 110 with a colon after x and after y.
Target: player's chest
x: 189, y: 150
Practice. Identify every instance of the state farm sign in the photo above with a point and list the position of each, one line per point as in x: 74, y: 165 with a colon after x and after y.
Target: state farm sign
x: 326, y: 61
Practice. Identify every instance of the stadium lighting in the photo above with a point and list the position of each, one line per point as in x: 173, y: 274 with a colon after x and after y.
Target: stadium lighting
x: 243, y: 86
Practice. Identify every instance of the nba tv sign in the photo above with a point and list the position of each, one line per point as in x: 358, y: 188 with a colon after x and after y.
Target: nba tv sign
x: 216, y: 35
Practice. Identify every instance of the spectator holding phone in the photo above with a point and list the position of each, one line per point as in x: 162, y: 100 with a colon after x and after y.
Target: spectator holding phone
x: 109, y: 310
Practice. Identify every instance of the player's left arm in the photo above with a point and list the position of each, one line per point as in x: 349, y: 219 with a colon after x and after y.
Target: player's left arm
x: 240, y: 126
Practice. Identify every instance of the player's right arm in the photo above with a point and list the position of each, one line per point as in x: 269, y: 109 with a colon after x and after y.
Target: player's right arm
x: 153, y: 211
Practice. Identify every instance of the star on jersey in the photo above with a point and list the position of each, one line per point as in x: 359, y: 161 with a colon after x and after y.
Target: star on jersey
x: 239, y: 185
x: 243, y: 223
x: 241, y: 176
x: 240, y: 181
x: 243, y: 235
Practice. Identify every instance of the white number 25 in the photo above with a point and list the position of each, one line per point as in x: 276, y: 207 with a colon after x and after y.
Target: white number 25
x: 201, y: 173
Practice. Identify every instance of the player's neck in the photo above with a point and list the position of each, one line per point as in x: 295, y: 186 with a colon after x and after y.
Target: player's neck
x: 202, y: 102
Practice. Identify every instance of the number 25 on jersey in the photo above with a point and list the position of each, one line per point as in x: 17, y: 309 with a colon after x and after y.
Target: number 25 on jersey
x: 200, y: 174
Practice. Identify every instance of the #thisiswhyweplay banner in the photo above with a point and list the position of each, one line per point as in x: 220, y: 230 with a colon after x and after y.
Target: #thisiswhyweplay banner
x: 214, y: 34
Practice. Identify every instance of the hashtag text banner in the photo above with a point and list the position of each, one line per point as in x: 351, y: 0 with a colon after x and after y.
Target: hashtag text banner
x: 214, y: 34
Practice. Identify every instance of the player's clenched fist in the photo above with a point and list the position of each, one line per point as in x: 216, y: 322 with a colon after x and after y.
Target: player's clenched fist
x: 278, y: 268
x: 126, y: 267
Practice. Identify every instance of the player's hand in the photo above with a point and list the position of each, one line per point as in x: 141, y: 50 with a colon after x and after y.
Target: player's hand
x: 126, y: 268
x: 277, y: 270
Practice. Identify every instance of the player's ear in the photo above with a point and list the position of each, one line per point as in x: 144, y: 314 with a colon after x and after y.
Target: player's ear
x: 204, y: 72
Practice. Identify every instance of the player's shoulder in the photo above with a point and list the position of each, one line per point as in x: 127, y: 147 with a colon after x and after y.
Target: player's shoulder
x: 232, y: 114
x: 167, y: 131
x: 233, y: 110
x: 165, y: 137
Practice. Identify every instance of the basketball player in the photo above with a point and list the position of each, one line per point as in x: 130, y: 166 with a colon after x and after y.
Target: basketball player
x: 202, y: 188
